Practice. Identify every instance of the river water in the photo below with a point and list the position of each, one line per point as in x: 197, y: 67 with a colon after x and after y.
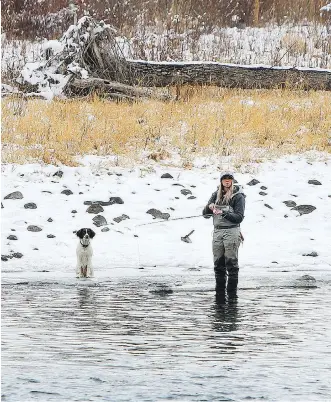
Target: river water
x: 142, y: 339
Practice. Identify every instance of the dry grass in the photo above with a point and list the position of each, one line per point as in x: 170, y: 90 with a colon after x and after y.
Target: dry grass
x: 206, y: 121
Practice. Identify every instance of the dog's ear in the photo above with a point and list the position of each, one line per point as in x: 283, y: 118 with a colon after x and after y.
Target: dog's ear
x: 80, y: 233
x: 91, y: 233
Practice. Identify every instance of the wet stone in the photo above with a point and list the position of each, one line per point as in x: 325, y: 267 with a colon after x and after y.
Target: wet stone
x: 268, y: 206
x: 262, y: 193
x: 253, y: 182
x: 94, y: 209
x: 50, y: 236
x: 99, y: 220
x: 49, y: 220
x: 166, y: 176
x: 34, y: 228
x: 74, y: 211
x: 158, y: 214
x: 12, y: 237
x: 315, y: 182
x: 16, y: 195
x: 177, y: 184
x: 185, y: 191
x: 30, y: 205
x: 191, y: 197
x: 67, y: 192
x: 263, y: 188
x: 105, y: 229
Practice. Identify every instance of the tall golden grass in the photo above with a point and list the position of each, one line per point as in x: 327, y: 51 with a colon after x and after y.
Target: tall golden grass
x: 245, y: 124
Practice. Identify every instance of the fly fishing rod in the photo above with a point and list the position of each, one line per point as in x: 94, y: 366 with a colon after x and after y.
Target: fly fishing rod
x: 174, y: 219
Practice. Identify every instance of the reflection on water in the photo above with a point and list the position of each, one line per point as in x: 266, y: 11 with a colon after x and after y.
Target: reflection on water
x: 138, y: 341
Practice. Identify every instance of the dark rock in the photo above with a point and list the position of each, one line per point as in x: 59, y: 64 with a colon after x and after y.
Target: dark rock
x: 50, y: 236
x: 193, y: 186
x: 166, y: 176
x: 172, y: 209
x: 177, y: 198
x: 49, y: 220
x: 290, y: 203
x: 135, y: 235
x: 262, y: 193
x: 46, y: 191
x: 315, y: 182
x: 304, y: 209
x: 156, y: 189
x: 36, y: 248
x: 30, y: 205
x: 118, y: 174
x: 307, y: 278
x: 4, y: 258
x: 285, y: 216
x: 191, y: 197
x: 263, y: 188
x: 16, y: 195
x: 2, y: 206
x: 74, y: 211
x: 59, y: 174
x: 185, y: 191
x: 116, y: 200
x: 274, y: 262
x: 177, y: 184
x: 105, y: 229
x: 99, y: 220
x: 121, y: 218
x: 253, y: 182
x: 17, y: 255
x: 312, y: 254
x: 162, y: 290
x: 34, y: 228
x: 80, y: 192
x: 12, y: 237
x: 94, y: 209
x: 293, y: 195
x: 67, y: 192
x: 268, y: 206
x: 158, y: 214
x: 13, y: 230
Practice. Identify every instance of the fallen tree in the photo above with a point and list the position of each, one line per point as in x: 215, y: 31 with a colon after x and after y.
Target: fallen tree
x: 88, y: 59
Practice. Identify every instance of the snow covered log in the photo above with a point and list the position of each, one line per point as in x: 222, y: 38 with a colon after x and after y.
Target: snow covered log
x: 227, y: 75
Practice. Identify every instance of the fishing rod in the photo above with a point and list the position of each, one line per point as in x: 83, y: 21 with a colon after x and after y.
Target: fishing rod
x: 175, y: 219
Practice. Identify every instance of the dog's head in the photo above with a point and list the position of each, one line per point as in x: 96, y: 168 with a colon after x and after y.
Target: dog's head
x: 85, y: 234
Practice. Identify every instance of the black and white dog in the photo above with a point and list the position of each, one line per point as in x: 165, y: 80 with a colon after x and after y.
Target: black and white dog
x: 84, y: 253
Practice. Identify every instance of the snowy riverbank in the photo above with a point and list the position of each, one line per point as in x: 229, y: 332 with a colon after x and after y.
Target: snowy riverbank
x: 276, y: 235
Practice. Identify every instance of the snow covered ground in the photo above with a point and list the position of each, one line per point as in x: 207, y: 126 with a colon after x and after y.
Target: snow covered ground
x: 276, y: 236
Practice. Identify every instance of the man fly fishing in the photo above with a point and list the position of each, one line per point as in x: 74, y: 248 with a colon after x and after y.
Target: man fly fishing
x: 227, y: 205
